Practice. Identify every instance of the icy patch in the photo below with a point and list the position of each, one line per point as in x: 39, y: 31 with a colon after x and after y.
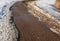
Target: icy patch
x: 4, y: 5
x: 48, y: 1
x: 2, y: 8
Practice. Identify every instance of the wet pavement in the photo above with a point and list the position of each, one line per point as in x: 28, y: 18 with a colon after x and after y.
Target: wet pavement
x: 31, y: 29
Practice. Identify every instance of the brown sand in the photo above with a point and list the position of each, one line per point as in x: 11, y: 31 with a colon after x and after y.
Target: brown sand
x: 31, y: 29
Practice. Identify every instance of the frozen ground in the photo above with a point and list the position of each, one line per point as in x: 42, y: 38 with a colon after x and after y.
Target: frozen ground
x: 49, y: 8
x: 4, y: 4
x: 31, y: 29
x: 8, y: 31
x: 48, y: 11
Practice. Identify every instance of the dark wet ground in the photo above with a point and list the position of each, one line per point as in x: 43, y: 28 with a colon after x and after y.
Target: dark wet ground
x: 31, y: 29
